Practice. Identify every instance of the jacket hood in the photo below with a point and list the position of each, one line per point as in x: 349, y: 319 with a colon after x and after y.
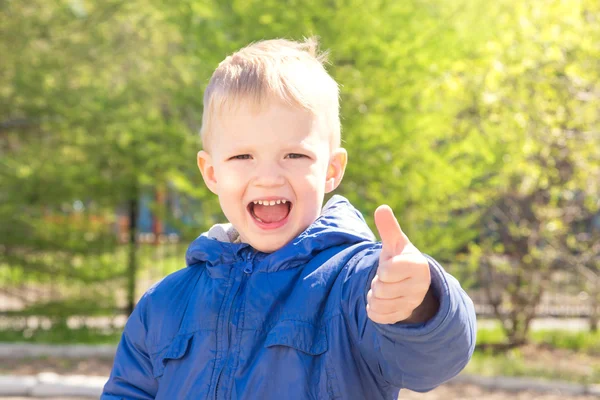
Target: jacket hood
x: 339, y: 223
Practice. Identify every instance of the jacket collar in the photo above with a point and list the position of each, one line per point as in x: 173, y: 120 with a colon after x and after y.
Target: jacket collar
x: 339, y: 223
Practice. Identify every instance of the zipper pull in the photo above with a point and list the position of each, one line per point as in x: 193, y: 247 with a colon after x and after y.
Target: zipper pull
x: 250, y: 264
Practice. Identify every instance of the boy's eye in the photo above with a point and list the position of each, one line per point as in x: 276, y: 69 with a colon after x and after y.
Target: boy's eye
x: 295, y: 155
x: 241, y: 157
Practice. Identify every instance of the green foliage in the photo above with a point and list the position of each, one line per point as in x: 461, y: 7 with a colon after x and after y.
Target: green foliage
x: 88, y: 120
x: 531, y: 94
x: 476, y: 122
x: 99, y: 305
x: 62, y: 335
x: 491, y: 336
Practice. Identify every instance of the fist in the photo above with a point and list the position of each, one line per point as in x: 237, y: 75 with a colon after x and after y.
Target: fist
x: 403, y: 278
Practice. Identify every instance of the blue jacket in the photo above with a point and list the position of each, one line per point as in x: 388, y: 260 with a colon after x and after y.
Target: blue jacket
x: 240, y: 324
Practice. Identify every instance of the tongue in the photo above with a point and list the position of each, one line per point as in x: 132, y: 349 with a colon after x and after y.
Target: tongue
x: 270, y: 214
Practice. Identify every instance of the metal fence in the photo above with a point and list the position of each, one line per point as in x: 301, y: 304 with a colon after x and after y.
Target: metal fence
x: 41, y: 301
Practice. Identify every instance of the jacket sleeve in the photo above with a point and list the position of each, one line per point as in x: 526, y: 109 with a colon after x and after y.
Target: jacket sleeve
x: 418, y: 357
x: 131, y: 376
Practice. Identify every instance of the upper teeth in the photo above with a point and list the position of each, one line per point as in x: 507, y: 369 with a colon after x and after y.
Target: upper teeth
x: 269, y: 202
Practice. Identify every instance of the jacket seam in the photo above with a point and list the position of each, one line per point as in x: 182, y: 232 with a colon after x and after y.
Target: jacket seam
x: 242, y: 320
x: 332, y: 384
x: 218, y: 356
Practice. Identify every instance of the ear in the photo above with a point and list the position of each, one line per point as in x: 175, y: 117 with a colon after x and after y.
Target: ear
x: 207, y: 170
x: 335, y: 171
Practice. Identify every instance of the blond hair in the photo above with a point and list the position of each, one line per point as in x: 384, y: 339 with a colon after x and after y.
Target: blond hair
x: 278, y: 69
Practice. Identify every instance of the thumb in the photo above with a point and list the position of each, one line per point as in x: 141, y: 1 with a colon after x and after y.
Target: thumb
x: 392, y: 237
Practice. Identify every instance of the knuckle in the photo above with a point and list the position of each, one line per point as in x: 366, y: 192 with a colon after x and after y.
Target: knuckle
x: 385, y: 291
x: 414, y: 303
x: 373, y: 316
x: 377, y: 318
x: 403, y: 316
x: 387, y: 307
x: 381, y: 272
x: 375, y: 279
x: 376, y: 289
x: 375, y: 306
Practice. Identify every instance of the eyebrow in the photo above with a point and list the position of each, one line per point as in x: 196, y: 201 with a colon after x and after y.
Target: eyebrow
x: 238, y: 150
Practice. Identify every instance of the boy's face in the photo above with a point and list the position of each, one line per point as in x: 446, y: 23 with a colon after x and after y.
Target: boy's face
x: 280, y: 157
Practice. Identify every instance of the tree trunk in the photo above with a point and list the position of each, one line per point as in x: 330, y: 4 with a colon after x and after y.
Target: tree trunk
x: 595, y: 310
x: 132, y: 259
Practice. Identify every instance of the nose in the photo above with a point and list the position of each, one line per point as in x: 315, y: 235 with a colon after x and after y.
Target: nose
x: 269, y: 175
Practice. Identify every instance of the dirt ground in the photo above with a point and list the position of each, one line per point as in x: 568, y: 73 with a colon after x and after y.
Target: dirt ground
x: 470, y: 392
x: 102, y: 367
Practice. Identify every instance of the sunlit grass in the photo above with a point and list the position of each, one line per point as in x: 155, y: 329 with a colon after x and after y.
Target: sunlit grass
x: 61, y: 335
x: 552, y: 355
x: 515, y: 363
x: 579, y: 341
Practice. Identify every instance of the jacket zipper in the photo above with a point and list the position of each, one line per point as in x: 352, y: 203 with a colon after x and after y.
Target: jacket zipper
x: 247, y: 271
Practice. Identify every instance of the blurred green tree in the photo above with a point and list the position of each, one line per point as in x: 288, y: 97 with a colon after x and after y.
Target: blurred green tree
x: 88, y: 120
x: 392, y: 61
x: 537, y: 95
x: 477, y: 122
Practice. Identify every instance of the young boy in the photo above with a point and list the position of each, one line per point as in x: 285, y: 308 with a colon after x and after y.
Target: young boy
x: 290, y: 300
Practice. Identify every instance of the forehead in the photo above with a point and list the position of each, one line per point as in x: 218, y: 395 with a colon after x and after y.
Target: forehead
x: 273, y: 124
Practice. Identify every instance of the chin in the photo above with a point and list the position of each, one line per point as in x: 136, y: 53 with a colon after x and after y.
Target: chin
x: 268, y: 248
x: 269, y: 243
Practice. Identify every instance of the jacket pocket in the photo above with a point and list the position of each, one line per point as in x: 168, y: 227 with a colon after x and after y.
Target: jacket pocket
x: 174, y: 351
x: 299, y: 335
x: 307, y: 370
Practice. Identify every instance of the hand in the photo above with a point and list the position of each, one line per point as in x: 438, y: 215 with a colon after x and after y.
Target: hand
x: 402, y: 281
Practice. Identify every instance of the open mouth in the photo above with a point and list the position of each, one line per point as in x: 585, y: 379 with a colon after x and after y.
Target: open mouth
x: 270, y: 212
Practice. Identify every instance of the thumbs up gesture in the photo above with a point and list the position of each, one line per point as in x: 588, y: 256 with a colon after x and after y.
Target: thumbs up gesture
x: 400, y: 290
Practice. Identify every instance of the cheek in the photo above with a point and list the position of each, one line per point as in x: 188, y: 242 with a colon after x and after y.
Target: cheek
x: 320, y: 171
x: 230, y: 179
x: 313, y: 177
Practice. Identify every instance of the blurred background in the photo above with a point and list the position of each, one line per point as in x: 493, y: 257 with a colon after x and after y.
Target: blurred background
x: 477, y: 121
